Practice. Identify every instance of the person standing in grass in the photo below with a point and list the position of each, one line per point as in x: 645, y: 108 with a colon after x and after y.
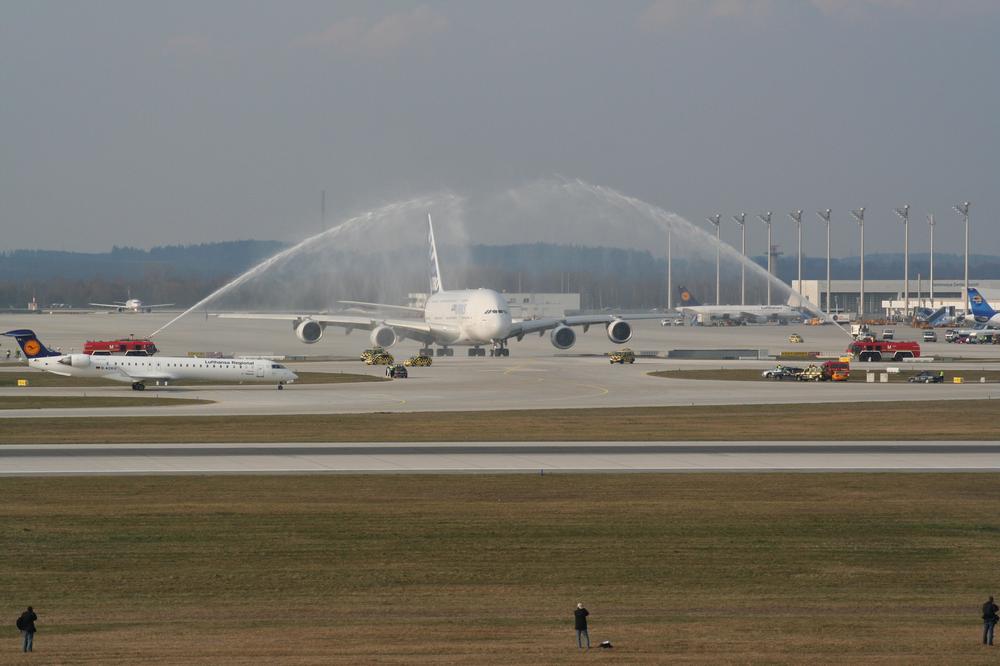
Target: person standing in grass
x: 990, y: 618
x: 26, y: 623
x: 580, y: 616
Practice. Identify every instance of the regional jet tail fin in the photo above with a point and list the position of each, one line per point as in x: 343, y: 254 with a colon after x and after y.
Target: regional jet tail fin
x: 435, y: 268
x: 30, y: 344
x: 687, y: 298
x: 981, y: 310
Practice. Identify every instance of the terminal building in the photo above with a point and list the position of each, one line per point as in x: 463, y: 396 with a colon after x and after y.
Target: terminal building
x: 885, y: 297
x: 526, y: 306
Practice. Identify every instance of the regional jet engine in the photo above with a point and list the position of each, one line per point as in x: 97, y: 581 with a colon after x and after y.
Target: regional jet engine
x: 309, y: 331
x: 563, y: 337
x: 619, y: 332
x: 383, y: 336
x: 76, y: 360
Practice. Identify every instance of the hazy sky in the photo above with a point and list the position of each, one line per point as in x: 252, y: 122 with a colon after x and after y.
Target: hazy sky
x: 145, y: 123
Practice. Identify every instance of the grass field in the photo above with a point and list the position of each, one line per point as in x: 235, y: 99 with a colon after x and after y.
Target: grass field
x: 916, y: 420
x: 858, y: 374
x: 80, y: 402
x: 471, y: 569
x: 47, y: 379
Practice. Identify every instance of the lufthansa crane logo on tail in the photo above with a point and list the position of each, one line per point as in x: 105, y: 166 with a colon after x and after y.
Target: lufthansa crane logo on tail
x: 32, y: 347
x: 685, y: 296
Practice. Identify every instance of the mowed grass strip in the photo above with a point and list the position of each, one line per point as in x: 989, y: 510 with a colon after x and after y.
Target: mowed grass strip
x: 82, y: 402
x: 858, y: 374
x: 49, y: 380
x: 915, y: 420
x: 709, y: 568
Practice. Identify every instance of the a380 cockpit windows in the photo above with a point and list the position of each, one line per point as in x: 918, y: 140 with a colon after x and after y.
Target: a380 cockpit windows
x: 495, y: 312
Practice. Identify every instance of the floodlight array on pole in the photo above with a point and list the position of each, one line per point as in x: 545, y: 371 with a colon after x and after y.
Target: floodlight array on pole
x: 825, y: 216
x: 766, y: 219
x: 796, y: 216
x: 717, y: 220
x: 859, y: 215
x: 741, y: 219
x: 904, y: 215
x: 930, y: 223
x: 963, y: 210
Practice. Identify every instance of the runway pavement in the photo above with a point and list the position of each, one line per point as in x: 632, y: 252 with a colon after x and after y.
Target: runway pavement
x: 498, y: 457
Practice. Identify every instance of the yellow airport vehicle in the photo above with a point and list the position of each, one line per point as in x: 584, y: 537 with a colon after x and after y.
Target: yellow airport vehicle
x: 383, y: 358
x: 795, y: 337
x: 622, y: 356
x: 368, y: 353
x: 418, y: 362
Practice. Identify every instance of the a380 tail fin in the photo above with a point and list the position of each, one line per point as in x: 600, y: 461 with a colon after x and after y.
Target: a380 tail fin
x: 30, y: 344
x: 687, y: 298
x: 981, y: 310
x: 436, y: 285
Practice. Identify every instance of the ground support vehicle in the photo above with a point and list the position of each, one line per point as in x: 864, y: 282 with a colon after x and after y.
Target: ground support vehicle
x: 368, y: 353
x: 888, y: 334
x: 622, y: 356
x: 127, y: 346
x: 927, y: 377
x: 883, y: 350
x: 836, y: 371
x: 383, y: 358
x: 782, y: 372
x: 812, y: 373
x: 396, y: 371
x: 795, y: 337
x: 929, y: 336
x: 418, y: 362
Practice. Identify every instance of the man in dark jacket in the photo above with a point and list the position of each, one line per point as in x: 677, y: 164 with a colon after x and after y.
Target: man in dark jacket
x: 990, y: 618
x: 581, y: 614
x: 26, y: 623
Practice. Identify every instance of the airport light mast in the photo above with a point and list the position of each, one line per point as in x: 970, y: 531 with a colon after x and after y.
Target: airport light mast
x: 670, y: 270
x: 963, y: 210
x: 766, y: 219
x: 930, y: 223
x: 796, y: 215
x: 741, y: 219
x: 825, y: 216
x: 904, y: 215
x: 716, y: 220
x: 859, y: 215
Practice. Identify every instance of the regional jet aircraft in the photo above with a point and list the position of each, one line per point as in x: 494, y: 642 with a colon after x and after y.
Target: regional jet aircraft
x: 744, y: 313
x: 142, y: 369
x: 472, y: 318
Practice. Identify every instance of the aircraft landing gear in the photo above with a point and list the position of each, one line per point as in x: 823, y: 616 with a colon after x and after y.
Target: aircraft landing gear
x: 477, y: 351
x: 426, y: 351
x: 445, y: 351
x: 281, y: 386
x: 499, y: 349
x: 138, y: 386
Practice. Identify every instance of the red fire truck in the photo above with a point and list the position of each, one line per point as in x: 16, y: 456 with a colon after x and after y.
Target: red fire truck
x: 883, y: 350
x: 127, y: 346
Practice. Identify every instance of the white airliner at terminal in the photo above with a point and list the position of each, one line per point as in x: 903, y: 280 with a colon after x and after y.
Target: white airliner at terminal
x: 131, y: 305
x: 474, y: 318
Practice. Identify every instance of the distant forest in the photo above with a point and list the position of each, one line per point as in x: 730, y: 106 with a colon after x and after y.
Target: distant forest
x: 605, y: 277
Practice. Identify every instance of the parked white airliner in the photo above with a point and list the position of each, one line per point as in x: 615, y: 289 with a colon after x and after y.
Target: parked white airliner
x: 131, y: 305
x: 471, y: 317
x: 142, y: 369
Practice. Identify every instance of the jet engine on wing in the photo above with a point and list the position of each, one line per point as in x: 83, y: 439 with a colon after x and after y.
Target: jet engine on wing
x: 563, y: 337
x: 309, y: 331
x: 383, y: 336
x: 76, y: 360
x: 619, y: 331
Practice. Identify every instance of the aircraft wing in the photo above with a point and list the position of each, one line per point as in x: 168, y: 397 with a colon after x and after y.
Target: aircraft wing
x: 159, y: 305
x: 409, y: 328
x: 107, y: 305
x: 384, y: 306
x: 519, y: 329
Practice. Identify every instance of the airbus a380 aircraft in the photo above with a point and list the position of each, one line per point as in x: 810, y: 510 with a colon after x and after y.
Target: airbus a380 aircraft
x: 138, y: 370
x: 474, y: 318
